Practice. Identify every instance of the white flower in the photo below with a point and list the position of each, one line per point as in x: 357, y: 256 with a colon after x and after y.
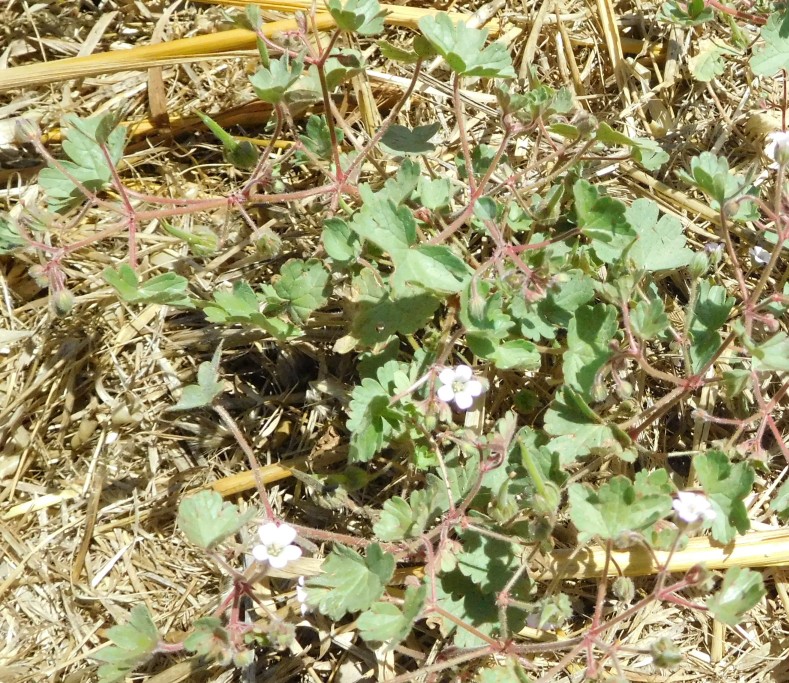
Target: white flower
x: 692, y: 508
x: 760, y: 256
x: 777, y: 147
x: 458, y: 385
x: 301, y: 595
x: 276, y: 545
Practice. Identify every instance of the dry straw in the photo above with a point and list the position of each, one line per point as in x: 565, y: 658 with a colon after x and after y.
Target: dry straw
x: 215, y: 46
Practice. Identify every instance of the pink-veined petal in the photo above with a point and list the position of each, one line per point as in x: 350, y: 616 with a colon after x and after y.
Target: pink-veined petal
x: 446, y: 393
x: 463, y: 373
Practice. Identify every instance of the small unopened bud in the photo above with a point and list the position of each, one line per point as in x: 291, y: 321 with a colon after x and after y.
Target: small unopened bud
x: 699, y: 264
x: 624, y: 390
x: 715, y: 251
x: 268, y: 243
x: 665, y: 654
x: 548, y: 503
x: 586, y: 124
x: 243, y: 156
x: 624, y: 589
x: 39, y: 275
x: 243, y: 658
x: 599, y: 392
x: 62, y: 302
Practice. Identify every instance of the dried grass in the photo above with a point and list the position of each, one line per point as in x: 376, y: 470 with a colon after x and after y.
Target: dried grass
x: 93, y: 467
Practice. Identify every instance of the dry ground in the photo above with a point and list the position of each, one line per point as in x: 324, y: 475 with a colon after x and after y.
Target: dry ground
x: 93, y: 467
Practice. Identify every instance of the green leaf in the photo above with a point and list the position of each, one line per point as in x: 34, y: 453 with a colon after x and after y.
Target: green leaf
x: 462, y: 48
x: 243, y: 155
x: 434, y: 193
x: 540, y: 102
x: 661, y: 243
x: 134, y: 642
x: 208, y: 386
x: 460, y: 596
x: 772, y: 354
x: 482, y: 158
x: 726, y: 485
x: 400, y: 139
x: 515, y: 354
x: 648, y: 319
x: 242, y: 305
x: 741, y: 590
x: 201, y: 243
x: 304, y: 286
x: 393, y: 229
x: 588, y: 346
x: 781, y: 502
x: 88, y: 164
x: 580, y: 431
x: 372, y: 421
x: 270, y: 83
x: 399, y: 188
x: 387, y: 623
x: 350, y: 582
x: 774, y: 54
x: 488, y: 562
x: 377, y: 314
x: 167, y: 289
x: 710, y: 313
x: 207, y: 520
x: 210, y: 640
x: 554, y: 610
x: 693, y: 13
x: 318, y: 137
x: 396, y: 53
x: 603, y: 220
x: 10, y: 239
x: 433, y: 267
x: 340, y: 242
x: 644, y: 150
x: 509, y: 672
x: 616, y: 508
x: 395, y: 521
x: 364, y: 17
x: 708, y: 63
x: 711, y: 174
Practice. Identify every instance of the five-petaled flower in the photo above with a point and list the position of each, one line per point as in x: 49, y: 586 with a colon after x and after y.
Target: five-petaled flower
x: 276, y: 546
x: 760, y: 255
x: 458, y: 385
x: 693, y: 508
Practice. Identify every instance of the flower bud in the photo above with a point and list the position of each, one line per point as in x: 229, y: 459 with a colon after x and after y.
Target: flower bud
x: 243, y: 156
x: 698, y: 265
x: 586, y: 124
x: 624, y: 390
x: 665, y: 654
x: 39, y: 275
x: 624, y: 589
x: 62, y: 302
x: 715, y: 251
x: 268, y: 243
